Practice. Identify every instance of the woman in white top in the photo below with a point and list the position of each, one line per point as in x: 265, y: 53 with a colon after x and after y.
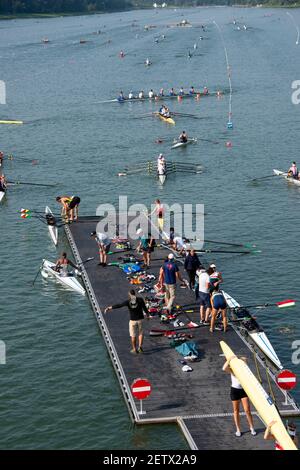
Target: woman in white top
x: 237, y: 395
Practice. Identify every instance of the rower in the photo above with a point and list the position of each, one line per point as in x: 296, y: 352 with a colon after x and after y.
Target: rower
x: 161, y: 92
x: 61, y: 265
x: 293, y: 171
x: 1, y: 158
x: 131, y: 96
x: 181, y: 91
x: 172, y: 92
x: 165, y: 111
x: 121, y: 96
x: 205, y: 91
x: 189, y: 55
x: 151, y: 94
x: 195, y: 46
x: 141, y: 95
x: 192, y: 91
x: 121, y: 54
x: 3, y: 184
x: 147, y: 62
x: 161, y: 165
x: 183, y: 137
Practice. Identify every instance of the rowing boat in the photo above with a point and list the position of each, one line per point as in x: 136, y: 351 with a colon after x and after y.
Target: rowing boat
x: 10, y: 122
x: 162, y: 178
x: 53, y: 230
x: 169, y: 120
x: 178, y: 144
x: 255, y: 332
x: 261, y: 401
x: 69, y: 281
x: 2, y: 194
x: 195, y: 95
x: 288, y: 178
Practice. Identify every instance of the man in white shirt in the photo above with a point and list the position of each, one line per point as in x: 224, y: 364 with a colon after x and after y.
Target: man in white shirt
x: 204, y: 297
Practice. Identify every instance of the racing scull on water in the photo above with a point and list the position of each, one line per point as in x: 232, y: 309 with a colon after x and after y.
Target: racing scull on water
x: 68, y: 280
x: 290, y: 179
x: 51, y: 221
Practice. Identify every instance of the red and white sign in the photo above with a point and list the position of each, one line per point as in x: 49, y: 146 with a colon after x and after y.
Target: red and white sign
x: 141, y: 388
x: 286, y: 380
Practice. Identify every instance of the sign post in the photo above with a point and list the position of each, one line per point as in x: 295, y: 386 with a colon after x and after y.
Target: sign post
x: 286, y: 380
x: 141, y: 389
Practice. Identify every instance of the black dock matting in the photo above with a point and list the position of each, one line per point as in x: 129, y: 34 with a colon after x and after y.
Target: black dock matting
x: 197, y: 394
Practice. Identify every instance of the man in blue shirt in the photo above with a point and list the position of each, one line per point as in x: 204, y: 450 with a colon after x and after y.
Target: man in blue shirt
x: 169, y: 272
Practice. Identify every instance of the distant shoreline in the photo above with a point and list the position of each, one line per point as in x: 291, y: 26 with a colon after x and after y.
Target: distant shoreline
x: 101, y: 12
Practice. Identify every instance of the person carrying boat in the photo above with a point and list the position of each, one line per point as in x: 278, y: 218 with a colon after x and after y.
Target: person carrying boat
x: 293, y: 171
x: 237, y: 395
x: 151, y: 94
x: 218, y: 305
x: 103, y: 242
x: 121, y: 96
x: 141, y: 95
x: 61, y: 265
x: 291, y: 429
x: 137, y: 308
x: 183, y: 137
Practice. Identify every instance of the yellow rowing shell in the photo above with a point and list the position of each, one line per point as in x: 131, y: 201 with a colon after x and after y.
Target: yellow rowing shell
x: 168, y: 120
x: 10, y: 122
x: 261, y: 401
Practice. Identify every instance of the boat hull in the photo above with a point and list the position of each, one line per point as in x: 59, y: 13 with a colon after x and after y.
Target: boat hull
x: 183, y: 144
x: 53, y: 230
x: 259, y: 398
x: 169, y: 120
x: 2, y: 195
x: 258, y: 337
x: 284, y: 175
x: 67, y: 281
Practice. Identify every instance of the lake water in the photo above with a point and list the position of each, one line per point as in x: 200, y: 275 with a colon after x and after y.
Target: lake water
x: 58, y: 389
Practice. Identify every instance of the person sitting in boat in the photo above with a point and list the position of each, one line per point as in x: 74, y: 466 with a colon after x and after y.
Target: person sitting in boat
x: 161, y: 92
x: 151, y: 94
x: 121, y: 54
x: 165, y: 111
x: 148, y: 62
x: 141, y: 95
x: 192, y: 91
x: 205, y: 91
x: 172, y: 92
x: 183, y: 137
x: 161, y: 165
x: 189, y: 55
x: 3, y: 184
x: 181, y: 91
x: 121, y: 96
x: 293, y: 171
x: 61, y: 265
x: 131, y: 95
x: 1, y: 158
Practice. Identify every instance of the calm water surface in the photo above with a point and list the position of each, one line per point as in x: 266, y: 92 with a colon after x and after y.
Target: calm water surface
x: 58, y: 388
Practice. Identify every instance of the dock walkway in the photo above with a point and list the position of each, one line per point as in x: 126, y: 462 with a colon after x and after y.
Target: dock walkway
x: 197, y: 401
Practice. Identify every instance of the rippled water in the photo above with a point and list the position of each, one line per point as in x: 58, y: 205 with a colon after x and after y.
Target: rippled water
x: 58, y: 388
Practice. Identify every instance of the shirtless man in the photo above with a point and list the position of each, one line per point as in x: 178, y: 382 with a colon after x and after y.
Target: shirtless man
x: 61, y: 265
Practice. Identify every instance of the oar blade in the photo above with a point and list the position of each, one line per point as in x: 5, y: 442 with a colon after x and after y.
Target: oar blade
x: 286, y: 303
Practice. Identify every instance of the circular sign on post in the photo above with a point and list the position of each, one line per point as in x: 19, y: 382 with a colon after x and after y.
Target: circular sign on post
x: 286, y: 380
x: 141, y: 388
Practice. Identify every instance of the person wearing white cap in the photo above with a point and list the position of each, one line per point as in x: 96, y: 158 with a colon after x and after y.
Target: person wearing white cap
x: 170, y: 272
x: 216, y: 277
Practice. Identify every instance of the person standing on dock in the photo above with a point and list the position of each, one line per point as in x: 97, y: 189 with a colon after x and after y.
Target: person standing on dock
x: 191, y: 265
x: 219, y: 305
x: 137, y: 308
x: 145, y: 246
x: 159, y: 211
x: 170, y: 273
x: 103, y: 242
x: 204, y: 297
x: 237, y: 395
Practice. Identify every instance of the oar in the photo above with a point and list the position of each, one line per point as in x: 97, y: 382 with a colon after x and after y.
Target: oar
x: 262, y: 178
x: 40, y: 268
x: 281, y: 304
x: 246, y: 245
x: 157, y: 331
x: 86, y: 261
x: 24, y: 159
x: 183, y: 114
x: 32, y: 184
x: 227, y: 251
